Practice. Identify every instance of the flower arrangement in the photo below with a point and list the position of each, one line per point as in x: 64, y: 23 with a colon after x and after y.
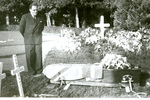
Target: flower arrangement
x: 67, y: 33
x: 129, y: 41
x: 89, y: 36
x: 114, y: 61
x: 145, y: 37
x: 69, y: 41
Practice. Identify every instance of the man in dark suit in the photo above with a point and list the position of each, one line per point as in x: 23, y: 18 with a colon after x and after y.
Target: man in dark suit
x: 31, y: 27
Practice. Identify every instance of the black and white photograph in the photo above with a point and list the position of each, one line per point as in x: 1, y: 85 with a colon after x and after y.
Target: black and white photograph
x: 74, y: 49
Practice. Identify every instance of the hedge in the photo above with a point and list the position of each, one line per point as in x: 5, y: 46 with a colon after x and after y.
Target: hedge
x: 47, y: 29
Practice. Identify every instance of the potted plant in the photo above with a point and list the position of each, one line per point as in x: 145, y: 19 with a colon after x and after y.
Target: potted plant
x: 116, y: 66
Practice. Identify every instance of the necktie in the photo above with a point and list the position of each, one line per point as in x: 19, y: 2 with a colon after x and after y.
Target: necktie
x: 34, y: 17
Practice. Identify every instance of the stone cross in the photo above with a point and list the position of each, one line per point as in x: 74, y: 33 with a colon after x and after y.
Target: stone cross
x: 2, y: 75
x: 17, y: 72
x: 102, y: 26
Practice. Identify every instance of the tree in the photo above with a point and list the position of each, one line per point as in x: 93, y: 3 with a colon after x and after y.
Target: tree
x: 11, y: 7
x: 131, y: 14
x: 78, y: 6
x: 48, y: 7
x: 74, y: 12
x: 52, y: 7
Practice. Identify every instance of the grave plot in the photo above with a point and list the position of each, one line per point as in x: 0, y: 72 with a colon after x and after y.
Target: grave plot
x: 112, y: 73
x: 90, y: 74
x: 81, y: 75
x: 75, y: 71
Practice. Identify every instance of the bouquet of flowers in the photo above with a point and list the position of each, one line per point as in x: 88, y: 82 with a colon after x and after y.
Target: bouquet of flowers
x: 114, y: 61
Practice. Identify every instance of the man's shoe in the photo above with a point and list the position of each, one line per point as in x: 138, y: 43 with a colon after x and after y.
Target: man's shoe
x: 37, y: 75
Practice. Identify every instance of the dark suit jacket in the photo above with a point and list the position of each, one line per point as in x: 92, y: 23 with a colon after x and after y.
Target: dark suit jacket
x: 31, y: 29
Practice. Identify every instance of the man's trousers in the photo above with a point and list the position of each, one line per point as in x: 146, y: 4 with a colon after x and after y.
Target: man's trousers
x: 34, y: 58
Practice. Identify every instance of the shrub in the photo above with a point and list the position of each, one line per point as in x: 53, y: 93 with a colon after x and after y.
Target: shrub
x: 47, y: 29
x: 57, y: 29
x: 9, y: 28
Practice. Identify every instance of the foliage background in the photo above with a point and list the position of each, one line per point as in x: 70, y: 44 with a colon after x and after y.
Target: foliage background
x: 126, y: 14
x: 132, y: 14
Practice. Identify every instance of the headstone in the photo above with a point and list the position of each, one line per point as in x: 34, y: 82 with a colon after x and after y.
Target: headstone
x: 2, y: 75
x: 16, y: 71
x: 102, y: 26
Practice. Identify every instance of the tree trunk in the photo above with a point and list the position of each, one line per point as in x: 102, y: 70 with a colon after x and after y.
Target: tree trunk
x: 77, y: 17
x: 48, y: 20
x: 84, y: 23
x: 7, y: 19
x: 53, y: 22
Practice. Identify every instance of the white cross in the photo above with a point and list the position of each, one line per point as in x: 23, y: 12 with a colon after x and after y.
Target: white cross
x: 2, y: 75
x: 102, y: 26
x: 17, y: 72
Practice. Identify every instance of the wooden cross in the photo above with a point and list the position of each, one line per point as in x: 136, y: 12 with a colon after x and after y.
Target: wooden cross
x: 2, y: 75
x: 102, y: 26
x: 17, y: 72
